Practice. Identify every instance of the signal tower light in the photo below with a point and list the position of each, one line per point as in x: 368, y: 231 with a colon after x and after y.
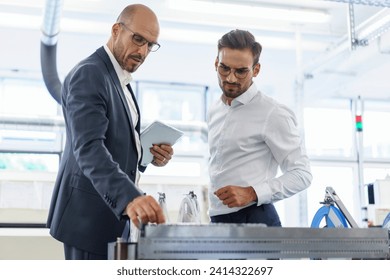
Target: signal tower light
x: 359, y: 123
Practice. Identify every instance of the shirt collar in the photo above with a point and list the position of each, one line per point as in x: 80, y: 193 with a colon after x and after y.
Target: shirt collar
x: 246, y: 97
x: 123, y: 75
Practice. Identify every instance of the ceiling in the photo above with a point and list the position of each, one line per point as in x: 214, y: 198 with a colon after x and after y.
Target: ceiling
x: 312, y: 57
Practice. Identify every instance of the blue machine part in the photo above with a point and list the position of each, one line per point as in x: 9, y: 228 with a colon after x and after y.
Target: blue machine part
x: 333, y: 217
x: 386, y: 221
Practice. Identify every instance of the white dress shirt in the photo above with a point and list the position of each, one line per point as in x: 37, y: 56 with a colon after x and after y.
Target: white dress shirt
x: 125, y: 78
x: 248, y: 141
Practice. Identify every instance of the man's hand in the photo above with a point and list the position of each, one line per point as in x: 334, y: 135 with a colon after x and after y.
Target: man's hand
x: 236, y: 196
x: 145, y: 209
x: 162, y: 154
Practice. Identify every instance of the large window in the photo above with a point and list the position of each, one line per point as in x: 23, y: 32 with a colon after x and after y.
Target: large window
x: 31, y: 141
x: 329, y: 131
x: 29, y: 118
x: 26, y: 98
x: 29, y: 162
x: 343, y: 157
x: 183, y: 106
x: 376, y: 138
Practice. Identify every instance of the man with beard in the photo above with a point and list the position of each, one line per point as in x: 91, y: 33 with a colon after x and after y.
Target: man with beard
x: 250, y: 136
x: 96, y: 191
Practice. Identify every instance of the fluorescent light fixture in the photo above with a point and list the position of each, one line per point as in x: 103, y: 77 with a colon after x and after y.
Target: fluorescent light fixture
x: 84, y: 26
x: 66, y: 24
x: 20, y: 20
x: 168, y: 34
x: 211, y: 38
x: 191, y: 36
x: 254, y: 11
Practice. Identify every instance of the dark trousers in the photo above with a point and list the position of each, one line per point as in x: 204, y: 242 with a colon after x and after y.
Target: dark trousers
x: 73, y: 253
x: 263, y: 214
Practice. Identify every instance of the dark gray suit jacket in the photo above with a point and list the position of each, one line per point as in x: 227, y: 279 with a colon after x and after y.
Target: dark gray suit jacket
x: 99, y: 163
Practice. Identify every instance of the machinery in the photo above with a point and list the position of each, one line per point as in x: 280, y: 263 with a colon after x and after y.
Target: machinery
x: 334, y: 217
x: 189, y: 209
x: 189, y: 239
x: 378, y: 201
x: 254, y: 241
x: 163, y: 204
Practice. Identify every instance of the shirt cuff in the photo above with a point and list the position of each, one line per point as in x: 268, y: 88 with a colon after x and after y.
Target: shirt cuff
x: 264, y: 193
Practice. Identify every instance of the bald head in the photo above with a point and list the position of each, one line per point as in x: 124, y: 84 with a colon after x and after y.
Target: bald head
x: 132, y: 12
x: 135, y: 31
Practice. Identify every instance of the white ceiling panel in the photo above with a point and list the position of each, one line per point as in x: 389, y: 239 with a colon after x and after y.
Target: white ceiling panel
x: 294, y: 45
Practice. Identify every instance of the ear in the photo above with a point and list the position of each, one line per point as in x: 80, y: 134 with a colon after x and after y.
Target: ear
x: 256, y: 70
x: 115, y: 30
x: 216, y: 63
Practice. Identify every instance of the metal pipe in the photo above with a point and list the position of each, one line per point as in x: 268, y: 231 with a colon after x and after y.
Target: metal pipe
x: 50, y: 31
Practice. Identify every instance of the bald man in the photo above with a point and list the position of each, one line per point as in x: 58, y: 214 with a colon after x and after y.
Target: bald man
x: 96, y: 191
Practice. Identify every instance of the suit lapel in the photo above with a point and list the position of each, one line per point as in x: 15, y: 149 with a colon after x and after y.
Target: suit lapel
x: 114, y: 77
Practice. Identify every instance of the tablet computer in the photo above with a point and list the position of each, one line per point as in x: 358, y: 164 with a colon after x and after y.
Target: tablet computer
x: 157, y: 133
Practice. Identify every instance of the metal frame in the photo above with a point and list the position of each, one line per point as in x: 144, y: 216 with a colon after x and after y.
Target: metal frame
x: 254, y: 241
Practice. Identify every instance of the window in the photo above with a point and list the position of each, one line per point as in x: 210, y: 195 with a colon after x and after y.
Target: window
x: 19, y: 162
x: 31, y: 140
x: 376, y: 139
x: 26, y: 98
x: 170, y: 101
x: 328, y: 132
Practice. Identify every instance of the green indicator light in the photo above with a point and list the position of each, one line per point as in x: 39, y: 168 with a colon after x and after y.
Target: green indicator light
x: 359, y: 123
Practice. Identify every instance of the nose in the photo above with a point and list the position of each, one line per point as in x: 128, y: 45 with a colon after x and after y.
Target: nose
x: 231, y: 78
x: 143, y: 50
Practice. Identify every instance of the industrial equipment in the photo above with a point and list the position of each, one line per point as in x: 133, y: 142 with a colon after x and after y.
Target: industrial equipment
x: 334, y: 216
x: 378, y: 201
x: 256, y: 241
x: 163, y: 204
x: 189, y: 211
x: 189, y: 239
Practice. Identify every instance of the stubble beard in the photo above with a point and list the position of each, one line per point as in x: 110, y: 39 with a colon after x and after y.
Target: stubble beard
x: 232, y: 92
x: 117, y: 51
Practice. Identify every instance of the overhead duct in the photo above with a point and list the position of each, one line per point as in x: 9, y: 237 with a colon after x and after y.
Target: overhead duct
x: 50, y: 31
x: 377, y: 3
x: 373, y: 28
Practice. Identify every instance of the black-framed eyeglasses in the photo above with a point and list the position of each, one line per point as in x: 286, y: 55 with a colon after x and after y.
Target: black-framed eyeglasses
x: 140, y: 41
x: 240, y: 73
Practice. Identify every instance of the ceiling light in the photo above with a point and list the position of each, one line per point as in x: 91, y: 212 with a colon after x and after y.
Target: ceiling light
x: 211, y: 38
x: 260, y: 12
x: 20, y: 20
x: 67, y: 24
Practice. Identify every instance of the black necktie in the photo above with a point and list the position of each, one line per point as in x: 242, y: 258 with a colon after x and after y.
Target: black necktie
x: 138, y: 125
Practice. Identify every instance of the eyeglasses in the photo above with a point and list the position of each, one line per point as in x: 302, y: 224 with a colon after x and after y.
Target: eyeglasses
x: 240, y: 73
x: 140, y: 41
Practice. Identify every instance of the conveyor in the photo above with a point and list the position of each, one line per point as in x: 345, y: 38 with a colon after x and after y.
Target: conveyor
x: 253, y: 241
